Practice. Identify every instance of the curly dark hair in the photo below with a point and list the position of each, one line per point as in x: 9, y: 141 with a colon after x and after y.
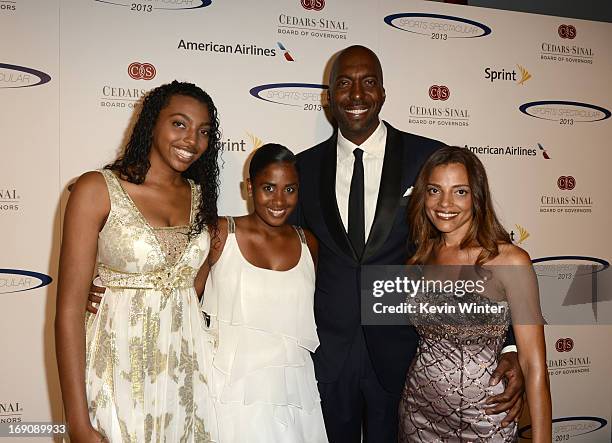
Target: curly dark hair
x: 134, y: 164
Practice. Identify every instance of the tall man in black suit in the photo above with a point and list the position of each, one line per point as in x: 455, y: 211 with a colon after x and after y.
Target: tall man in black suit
x: 352, y: 190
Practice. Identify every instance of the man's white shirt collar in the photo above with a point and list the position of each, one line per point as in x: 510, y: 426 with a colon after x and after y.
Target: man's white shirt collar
x: 374, y: 144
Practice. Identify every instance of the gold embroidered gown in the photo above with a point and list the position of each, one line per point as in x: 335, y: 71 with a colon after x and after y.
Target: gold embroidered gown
x: 148, y: 354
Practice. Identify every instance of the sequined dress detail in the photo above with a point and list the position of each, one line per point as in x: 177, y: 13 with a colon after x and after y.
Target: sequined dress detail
x: 148, y: 354
x: 263, y: 381
x: 448, y: 381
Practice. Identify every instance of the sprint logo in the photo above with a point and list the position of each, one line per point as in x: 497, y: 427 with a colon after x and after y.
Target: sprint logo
x: 519, y: 236
x: 520, y: 77
x: 256, y: 142
x: 525, y: 75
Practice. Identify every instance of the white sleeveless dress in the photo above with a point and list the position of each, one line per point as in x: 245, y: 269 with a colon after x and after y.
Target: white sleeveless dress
x: 148, y: 352
x: 263, y: 382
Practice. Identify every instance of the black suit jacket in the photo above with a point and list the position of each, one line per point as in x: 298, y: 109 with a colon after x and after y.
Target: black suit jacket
x: 337, y: 296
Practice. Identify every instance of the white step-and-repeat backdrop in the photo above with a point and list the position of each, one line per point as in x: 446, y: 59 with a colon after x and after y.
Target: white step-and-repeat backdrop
x: 529, y: 94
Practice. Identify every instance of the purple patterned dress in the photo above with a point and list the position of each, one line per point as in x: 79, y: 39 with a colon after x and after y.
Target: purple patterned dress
x: 448, y: 382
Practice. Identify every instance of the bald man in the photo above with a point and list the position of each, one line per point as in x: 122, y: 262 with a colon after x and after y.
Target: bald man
x: 351, y: 196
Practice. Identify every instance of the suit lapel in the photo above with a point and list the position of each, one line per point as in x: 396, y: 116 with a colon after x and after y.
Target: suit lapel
x: 329, y: 204
x: 388, y: 194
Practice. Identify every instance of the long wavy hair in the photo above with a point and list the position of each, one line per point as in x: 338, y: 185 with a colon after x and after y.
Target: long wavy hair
x: 485, y: 231
x: 133, y: 164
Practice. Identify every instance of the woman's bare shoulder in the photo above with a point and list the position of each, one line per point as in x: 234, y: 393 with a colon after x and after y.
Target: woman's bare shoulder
x: 511, y: 255
x: 90, y: 190
x: 312, y: 243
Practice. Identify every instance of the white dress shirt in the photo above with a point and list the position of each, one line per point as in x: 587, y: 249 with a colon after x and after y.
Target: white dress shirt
x: 373, y: 157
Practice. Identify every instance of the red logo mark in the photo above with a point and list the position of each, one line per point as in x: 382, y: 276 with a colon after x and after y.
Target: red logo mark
x: 567, y: 31
x: 315, y: 5
x: 566, y: 183
x: 564, y: 345
x: 141, y: 71
x: 285, y: 53
x: 544, y: 152
x: 439, y: 92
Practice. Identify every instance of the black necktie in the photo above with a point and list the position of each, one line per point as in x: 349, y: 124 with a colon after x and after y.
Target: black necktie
x: 356, y: 211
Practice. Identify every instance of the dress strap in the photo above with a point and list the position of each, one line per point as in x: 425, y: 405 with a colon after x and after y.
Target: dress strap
x: 196, y: 195
x: 116, y: 193
x: 231, y: 225
x: 300, y: 233
x: 111, y: 179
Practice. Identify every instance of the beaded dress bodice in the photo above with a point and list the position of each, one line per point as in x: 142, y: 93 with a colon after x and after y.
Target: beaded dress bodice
x: 448, y: 381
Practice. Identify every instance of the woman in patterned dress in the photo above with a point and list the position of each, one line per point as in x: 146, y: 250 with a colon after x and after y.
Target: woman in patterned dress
x: 455, y: 228
x: 138, y: 371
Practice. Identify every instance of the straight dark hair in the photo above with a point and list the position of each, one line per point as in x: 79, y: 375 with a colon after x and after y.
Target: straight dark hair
x: 268, y: 154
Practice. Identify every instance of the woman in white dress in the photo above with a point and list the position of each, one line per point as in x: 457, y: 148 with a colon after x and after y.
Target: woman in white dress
x: 259, y: 296
x: 137, y: 371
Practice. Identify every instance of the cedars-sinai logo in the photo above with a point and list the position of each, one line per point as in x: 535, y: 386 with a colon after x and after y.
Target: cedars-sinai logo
x: 565, y: 112
x: 141, y: 71
x: 436, y: 26
x: 567, y: 31
x: 314, y: 5
x: 439, y: 92
x: 8, y: 5
x: 564, y: 344
x: 152, y: 5
x: 566, y: 182
x: 307, y: 96
x: 14, y: 76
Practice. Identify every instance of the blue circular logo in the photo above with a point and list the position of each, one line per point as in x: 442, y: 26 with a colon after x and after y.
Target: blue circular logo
x: 19, y: 280
x: 440, y: 27
x: 557, y: 110
x: 15, y: 76
x: 304, y: 95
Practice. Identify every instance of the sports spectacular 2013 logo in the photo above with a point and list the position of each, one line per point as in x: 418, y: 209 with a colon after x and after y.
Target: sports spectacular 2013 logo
x: 20, y: 280
x: 16, y: 76
x: 150, y: 6
x: 305, y: 96
x: 564, y: 112
x: 437, y: 26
